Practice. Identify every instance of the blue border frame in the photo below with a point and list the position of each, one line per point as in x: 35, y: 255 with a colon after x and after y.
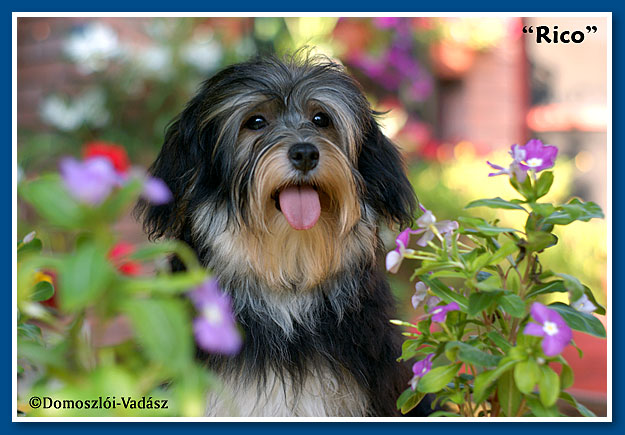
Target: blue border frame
x: 339, y: 6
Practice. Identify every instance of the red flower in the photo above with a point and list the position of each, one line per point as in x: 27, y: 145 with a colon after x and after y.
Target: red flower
x: 115, y: 153
x: 118, y: 256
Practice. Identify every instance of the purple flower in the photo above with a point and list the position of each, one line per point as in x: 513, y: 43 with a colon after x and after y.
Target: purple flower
x: 551, y: 326
x: 421, y: 291
x: 439, y: 313
x: 215, y: 329
x: 90, y: 181
x: 532, y: 156
x: 429, y: 227
x: 156, y: 191
x: 419, y: 369
x: 538, y: 156
x: 396, y: 256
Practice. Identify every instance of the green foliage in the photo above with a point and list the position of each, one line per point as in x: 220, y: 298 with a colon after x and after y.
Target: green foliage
x: 58, y: 344
x: 495, y: 274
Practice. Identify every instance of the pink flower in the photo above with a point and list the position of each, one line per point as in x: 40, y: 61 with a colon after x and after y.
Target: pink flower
x: 419, y: 369
x: 396, y: 256
x: 90, y: 181
x: 439, y: 313
x: 538, y: 156
x: 215, y: 329
x: 156, y: 191
x: 532, y: 156
x: 551, y: 326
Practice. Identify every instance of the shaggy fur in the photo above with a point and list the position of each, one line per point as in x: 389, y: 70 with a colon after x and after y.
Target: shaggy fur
x: 313, y: 304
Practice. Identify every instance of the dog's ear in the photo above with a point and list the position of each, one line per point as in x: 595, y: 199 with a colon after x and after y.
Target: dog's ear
x: 382, y: 167
x: 183, y: 163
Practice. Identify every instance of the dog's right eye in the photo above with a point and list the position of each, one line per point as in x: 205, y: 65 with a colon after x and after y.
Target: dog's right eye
x: 256, y: 122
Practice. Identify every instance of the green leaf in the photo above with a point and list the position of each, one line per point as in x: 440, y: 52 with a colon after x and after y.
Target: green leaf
x: 34, y: 247
x: 42, y: 292
x: 444, y: 414
x: 543, y: 209
x: 543, y: 184
x: 548, y: 386
x: 499, y: 340
x: 524, y: 188
x: 566, y: 375
x: 163, y: 329
x: 572, y: 284
x: 472, y: 355
x: 506, y: 249
x: 513, y: 305
x: 480, y: 226
x: 539, y: 410
x: 550, y: 287
x: 579, y: 321
x: 480, y: 301
x: 585, y: 412
x: 444, y: 292
x: 410, y: 348
x: 53, y: 202
x: 575, y: 210
x: 84, y: 275
x: 408, y: 400
x: 436, y: 379
x: 526, y: 375
x: 509, y: 396
x: 495, y: 203
x: 485, y: 380
x: 30, y: 332
x: 540, y: 240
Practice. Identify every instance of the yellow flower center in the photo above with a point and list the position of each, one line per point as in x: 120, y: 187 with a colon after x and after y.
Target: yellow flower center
x: 550, y: 328
x: 534, y: 162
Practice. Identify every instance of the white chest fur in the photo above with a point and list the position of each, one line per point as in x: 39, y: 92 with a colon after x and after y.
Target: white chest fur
x: 320, y: 395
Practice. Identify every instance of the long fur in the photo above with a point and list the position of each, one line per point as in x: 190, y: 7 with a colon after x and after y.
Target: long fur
x: 313, y: 305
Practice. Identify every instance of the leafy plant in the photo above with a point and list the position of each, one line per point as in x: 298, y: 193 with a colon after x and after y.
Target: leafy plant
x: 486, y: 346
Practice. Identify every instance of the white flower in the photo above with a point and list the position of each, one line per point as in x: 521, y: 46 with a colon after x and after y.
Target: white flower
x: 203, y: 53
x: 584, y: 305
x: 428, y: 227
x: 92, y: 46
x: 421, y: 291
x: 156, y: 61
x: 68, y: 116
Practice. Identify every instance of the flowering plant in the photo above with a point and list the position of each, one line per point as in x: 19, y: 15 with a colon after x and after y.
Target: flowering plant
x: 105, y: 318
x: 487, y: 345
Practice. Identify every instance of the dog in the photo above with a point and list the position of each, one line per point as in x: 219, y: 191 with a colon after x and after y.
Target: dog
x: 281, y: 179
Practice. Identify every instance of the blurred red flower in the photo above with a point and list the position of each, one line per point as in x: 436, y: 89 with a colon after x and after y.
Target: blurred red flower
x: 118, y: 256
x: 115, y: 153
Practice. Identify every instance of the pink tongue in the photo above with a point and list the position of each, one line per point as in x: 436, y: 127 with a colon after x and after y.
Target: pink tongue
x: 300, y: 206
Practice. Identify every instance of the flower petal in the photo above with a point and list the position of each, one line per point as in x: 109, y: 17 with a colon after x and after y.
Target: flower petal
x: 534, y: 329
x: 393, y: 261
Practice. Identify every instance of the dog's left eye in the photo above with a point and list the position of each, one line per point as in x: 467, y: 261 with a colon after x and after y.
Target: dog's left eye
x: 321, y: 120
x: 256, y: 122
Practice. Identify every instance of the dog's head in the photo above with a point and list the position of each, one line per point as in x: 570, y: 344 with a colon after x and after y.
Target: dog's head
x: 280, y: 166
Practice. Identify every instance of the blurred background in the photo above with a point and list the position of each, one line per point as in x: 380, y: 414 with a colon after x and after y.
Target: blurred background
x: 458, y: 91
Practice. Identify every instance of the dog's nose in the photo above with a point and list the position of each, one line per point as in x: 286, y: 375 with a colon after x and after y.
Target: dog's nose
x: 304, y: 156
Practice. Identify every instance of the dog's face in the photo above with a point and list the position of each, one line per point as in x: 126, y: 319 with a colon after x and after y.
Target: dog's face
x: 280, y: 167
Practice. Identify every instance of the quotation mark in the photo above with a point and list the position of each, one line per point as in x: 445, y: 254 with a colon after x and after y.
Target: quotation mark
x: 530, y: 30
x: 592, y: 29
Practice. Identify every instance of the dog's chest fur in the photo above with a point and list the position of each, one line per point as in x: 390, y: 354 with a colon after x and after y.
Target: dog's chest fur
x: 321, y: 394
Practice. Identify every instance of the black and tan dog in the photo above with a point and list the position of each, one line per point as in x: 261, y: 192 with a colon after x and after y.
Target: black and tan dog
x: 281, y: 178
